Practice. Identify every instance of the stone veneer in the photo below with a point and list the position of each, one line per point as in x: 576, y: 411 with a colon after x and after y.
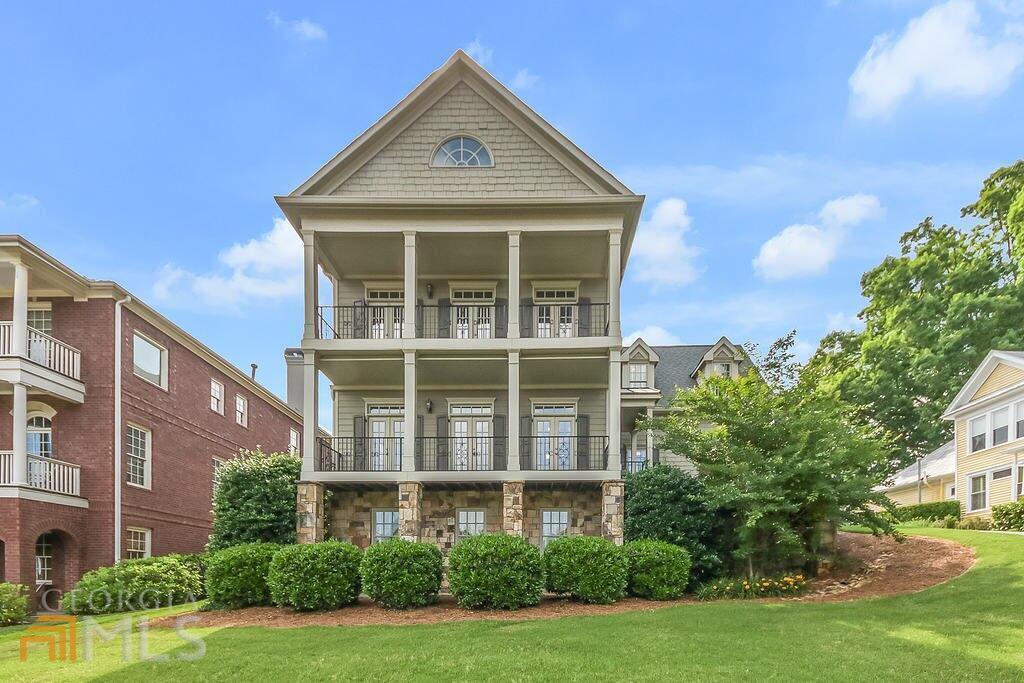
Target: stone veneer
x: 310, y: 509
x: 440, y: 512
x: 352, y: 513
x: 512, y: 507
x: 584, y: 505
x: 613, y: 507
x: 410, y: 495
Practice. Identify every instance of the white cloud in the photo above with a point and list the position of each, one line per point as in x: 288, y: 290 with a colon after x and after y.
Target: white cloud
x: 302, y: 29
x: 17, y: 201
x: 263, y: 269
x: 660, y: 252
x: 524, y: 80
x: 804, y: 250
x: 479, y: 52
x: 940, y: 53
x: 803, y: 350
x: 654, y: 335
x: 842, y: 321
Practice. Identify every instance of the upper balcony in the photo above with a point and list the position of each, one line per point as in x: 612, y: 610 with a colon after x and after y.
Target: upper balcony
x: 43, y: 350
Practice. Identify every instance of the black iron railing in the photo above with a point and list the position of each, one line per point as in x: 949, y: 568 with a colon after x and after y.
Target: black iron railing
x: 553, y: 321
x: 455, y: 321
x: 563, y: 453
x: 359, y: 454
x: 360, y: 321
x: 461, y: 454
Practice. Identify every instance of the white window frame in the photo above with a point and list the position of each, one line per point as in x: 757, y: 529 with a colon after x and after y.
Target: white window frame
x: 1015, y: 414
x: 217, y: 396
x: 294, y: 441
x: 40, y: 307
x: 374, y: 537
x: 147, y: 542
x: 987, y: 475
x: 48, y: 580
x: 983, y: 421
x: 567, y: 291
x: 458, y: 522
x: 544, y: 538
x: 394, y: 293
x: 241, y: 410
x: 992, y: 425
x: 163, y: 360
x: 642, y: 370
x: 147, y: 470
x: 951, y: 491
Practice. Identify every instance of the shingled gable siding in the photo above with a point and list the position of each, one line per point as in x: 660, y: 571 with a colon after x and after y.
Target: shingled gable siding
x: 521, y: 166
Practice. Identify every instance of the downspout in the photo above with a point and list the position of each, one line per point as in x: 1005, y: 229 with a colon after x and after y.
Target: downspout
x: 919, y: 481
x: 117, y: 426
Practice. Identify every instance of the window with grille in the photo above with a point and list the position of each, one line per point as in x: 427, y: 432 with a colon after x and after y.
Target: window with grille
x: 242, y: 410
x: 44, y: 559
x: 977, y: 427
x: 461, y: 150
x: 1000, y: 426
x: 978, y: 490
x: 554, y: 523
x: 137, y: 451
x: 470, y: 523
x: 385, y: 524
x: 137, y: 544
x: 638, y: 374
x: 216, y: 396
x: 294, y: 441
x: 41, y: 320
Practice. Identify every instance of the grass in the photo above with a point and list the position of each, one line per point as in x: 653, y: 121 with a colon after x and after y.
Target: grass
x: 967, y: 629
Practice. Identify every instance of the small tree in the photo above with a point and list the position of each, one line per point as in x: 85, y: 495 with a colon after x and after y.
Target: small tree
x: 254, y: 499
x: 785, y: 458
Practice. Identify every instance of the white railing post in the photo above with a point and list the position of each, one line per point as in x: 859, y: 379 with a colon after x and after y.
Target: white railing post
x: 19, y: 471
x: 19, y: 346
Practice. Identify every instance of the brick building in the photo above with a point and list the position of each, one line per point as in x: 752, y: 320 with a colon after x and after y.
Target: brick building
x: 109, y: 448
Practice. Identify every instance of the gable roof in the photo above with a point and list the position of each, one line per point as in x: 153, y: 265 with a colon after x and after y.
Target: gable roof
x: 939, y: 463
x: 712, y: 353
x: 964, y: 400
x: 459, y: 68
x: 674, y: 368
x: 639, y: 343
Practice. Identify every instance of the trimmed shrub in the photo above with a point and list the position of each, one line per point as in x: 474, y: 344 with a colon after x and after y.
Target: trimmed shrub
x: 1008, y: 516
x: 657, y: 570
x: 975, y: 524
x: 936, y: 510
x: 132, y: 585
x: 254, y: 500
x: 946, y: 523
x: 766, y: 587
x: 588, y: 568
x: 315, y: 576
x: 401, y: 574
x: 13, y: 604
x: 667, y: 504
x: 237, y: 576
x: 495, y: 571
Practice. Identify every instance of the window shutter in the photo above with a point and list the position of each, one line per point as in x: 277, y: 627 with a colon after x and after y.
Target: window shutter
x: 501, y: 318
x: 359, y: 319
x: 656, y: 457
x: 525, y: 442
x: 419, y: 318
x: 359, y: 441
x: 419, y: 443
x: 444, y: 321
x: 583, y: 442
x: 526, y: 317
x: 442, y: 442
x: 500, y: 448
x: 584, y: 317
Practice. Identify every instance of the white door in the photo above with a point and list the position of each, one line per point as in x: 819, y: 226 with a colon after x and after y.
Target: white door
x: 554, y: 442
x: 471, y: 444
x: 385, y: 450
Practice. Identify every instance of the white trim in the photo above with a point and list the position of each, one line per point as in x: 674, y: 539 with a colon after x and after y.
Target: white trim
x: 568, y: 524
x: 448, y: 138
x: 147, y: 537
x: 963, y: 399
x: 118, y: 435
x: 243, y: 402
x: 458, y: 511
x: 40, y: 305
x: 373, y: 523
x: 987, y: 473
x: 147, y: 472
x: 39, y: 409
x: 223, y: 395
x: 1013, y: 442
x: 28, y: 493
x: 164, y: 374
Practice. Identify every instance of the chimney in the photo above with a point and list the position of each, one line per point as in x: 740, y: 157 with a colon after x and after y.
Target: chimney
x: 293, y: 380
x: 253, y: 366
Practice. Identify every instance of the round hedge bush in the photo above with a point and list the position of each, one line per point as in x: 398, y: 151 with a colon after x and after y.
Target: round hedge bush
x: 657, y: 570
x: 315, y: 576
x: 588, y: 568
x: 132, y: 585
x: 401, y: 574
x: 495, y: 571
x: 237, y: 576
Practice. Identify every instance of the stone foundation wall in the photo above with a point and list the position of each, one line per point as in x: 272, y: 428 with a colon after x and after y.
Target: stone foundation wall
x: 584, y: 505
x: 439, y: 514
x: 352, y: 513
x: 310, y: 513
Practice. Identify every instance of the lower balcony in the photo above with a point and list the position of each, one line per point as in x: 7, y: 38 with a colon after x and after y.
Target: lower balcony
x: 44, y: 474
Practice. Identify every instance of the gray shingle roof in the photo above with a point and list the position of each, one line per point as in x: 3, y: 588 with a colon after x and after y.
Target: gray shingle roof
x: 674, y: 368
x: 939, y: 463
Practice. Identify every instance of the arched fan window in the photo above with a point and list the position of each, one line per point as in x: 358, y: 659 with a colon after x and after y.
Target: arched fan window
x: 462, y: 150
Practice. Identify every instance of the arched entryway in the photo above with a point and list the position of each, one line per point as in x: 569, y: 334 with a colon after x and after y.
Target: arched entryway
x: 52, y: 553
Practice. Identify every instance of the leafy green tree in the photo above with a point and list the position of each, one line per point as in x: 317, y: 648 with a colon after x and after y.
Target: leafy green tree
x: 254, y: 499
x: 787, y: 458
x: 934, y: 312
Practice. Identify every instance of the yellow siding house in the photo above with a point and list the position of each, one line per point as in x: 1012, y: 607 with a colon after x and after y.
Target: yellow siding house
x: 931, y: 480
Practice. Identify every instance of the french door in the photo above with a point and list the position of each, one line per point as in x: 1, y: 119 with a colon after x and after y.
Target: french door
x: 385, y: 449
x: 554, y: 440
x: 471, y: 443
x: 556, y: 320
x: 386, y: 321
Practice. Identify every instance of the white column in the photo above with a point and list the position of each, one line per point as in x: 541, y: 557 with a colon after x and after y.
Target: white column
x: 614, y: 412
x: 408, y: 440
x: 650, y: 435
x: 20, y: 413
x: 310, y: 409
x: 19, y: 339
x: 312, y: 284
x: 513, y: 411
x: 409, y: 328
x: 614, y: 281
x: 513, y: 285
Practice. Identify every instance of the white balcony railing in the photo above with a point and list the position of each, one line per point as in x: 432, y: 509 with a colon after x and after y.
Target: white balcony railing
x: 45, y: 474
x: 45, y: 350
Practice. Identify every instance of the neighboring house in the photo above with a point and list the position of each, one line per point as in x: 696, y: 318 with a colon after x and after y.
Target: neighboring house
x: 118, y: 420
x: 472, y: 337
x: 929, y: 480
x: 988, y: 418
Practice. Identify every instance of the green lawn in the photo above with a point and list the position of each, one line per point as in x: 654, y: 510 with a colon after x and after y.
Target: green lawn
x: 971, y: 628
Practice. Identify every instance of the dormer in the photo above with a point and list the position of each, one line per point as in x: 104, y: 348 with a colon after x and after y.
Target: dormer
x: 721, y: 360
x: 638, y: 366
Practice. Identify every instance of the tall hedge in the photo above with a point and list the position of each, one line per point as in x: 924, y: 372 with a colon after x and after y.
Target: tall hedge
x: 254, y: 499
x: 936, y: 510
x: 666, y: 504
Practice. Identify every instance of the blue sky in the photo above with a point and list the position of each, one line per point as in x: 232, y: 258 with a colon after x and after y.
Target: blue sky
x: 783, y: 147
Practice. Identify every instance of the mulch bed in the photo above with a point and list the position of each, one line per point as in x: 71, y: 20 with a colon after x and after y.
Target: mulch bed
x: 870, y: 567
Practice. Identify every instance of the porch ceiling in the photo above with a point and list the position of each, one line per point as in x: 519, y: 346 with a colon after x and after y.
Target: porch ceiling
x: 564, y: 371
